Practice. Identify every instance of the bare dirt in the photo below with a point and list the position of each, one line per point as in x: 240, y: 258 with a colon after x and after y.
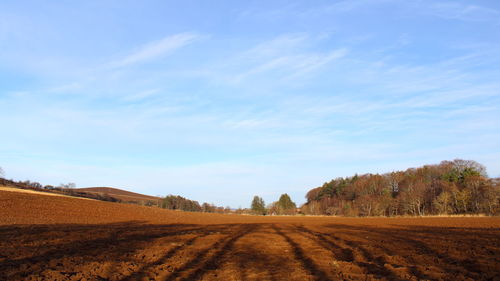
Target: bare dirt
x: 60, y: 238
x: 15, y: 189
x: 121, y: 194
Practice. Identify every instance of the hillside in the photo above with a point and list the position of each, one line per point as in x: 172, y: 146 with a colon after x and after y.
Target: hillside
x: 123, y: 195
x: 18, y: 207
x: 450, y: 187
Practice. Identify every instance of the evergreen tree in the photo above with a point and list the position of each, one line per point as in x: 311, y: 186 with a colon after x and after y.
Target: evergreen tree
x: 258, y: 206
x: 286, y: 206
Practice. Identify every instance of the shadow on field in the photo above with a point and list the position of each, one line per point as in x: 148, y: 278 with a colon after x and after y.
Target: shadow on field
x: 202, y: 263
x: 30, y: 250
x: 469, y: 252
x: 345, y: 251
x: 300, y: 255
x: 135, y: 250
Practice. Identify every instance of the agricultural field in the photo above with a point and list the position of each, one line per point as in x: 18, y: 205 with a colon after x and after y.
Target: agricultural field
x: 62, y: 238
x: 125, y: 196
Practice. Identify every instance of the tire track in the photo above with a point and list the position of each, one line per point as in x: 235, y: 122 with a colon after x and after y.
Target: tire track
x: 258, y: 256
x: 118, y: 241
x: 419, y: 250
x: 299, y: 253
x: 210, y: 258
x: 170, y: 254
x: 349, y: 251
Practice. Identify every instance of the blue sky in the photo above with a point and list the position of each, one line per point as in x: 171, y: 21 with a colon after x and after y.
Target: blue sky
x: 218, y: 101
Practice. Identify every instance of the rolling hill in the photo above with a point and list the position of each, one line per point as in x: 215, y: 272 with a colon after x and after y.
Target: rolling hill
x: 123, y: 195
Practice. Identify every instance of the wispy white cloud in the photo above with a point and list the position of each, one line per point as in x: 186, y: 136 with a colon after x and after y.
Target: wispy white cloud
x: 306, y: 64
x: 469, y: 11
x: 279, y: 45
x: 341, y: 7
x: 283, y: 58
x: 294, y: 66
x: 465, y: 12
x: 141, y: 95
x: 158, y: 49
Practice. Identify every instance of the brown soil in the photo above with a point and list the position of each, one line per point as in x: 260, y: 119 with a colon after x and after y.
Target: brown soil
x: 123, y: 195
x: 15, y: 189
x: 60, y: 238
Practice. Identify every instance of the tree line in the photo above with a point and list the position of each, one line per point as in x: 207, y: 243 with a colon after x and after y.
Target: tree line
x: 284, y: 206
x: 451, y: 187
x: 64, y: 189
x: 175, y: 202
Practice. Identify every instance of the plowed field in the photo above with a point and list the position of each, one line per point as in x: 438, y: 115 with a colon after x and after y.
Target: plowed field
x: 59, y: 238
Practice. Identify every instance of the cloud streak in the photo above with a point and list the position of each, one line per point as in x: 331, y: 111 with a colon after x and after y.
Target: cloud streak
x: 158, y: 49
x: 464, y: 12
x: 281, y: 59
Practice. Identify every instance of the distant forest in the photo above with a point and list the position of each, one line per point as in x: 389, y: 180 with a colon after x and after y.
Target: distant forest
x: 451, y: 187
x: 448, y: 188
x: 175, y: 202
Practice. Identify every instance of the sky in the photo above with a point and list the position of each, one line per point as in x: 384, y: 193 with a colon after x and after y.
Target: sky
x: 218, y: 101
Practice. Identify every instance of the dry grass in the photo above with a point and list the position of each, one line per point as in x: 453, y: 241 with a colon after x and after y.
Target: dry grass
x: 13, y: 189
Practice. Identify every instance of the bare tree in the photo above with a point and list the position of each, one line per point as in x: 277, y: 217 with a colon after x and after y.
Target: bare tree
x: 451, y: 187
x: 2, y: 173
x: 68, y: 185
